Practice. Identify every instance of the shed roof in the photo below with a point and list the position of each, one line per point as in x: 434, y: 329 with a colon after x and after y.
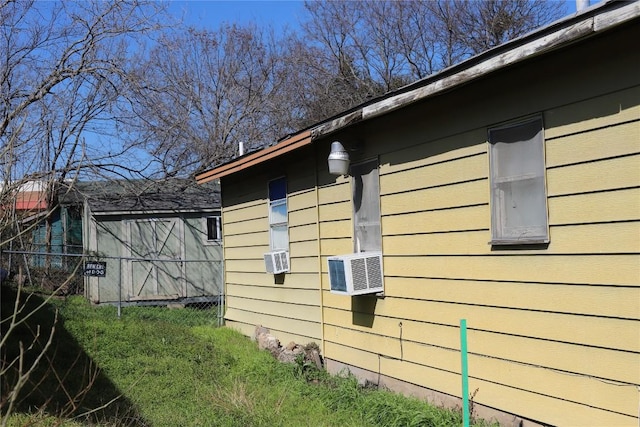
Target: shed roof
x: 142, y: 196
x: 560, y: 34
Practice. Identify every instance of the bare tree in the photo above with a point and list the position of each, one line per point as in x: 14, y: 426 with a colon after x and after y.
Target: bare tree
x: 426, y: 35
x: 488, y: 23
x: 201, y: 93
x: 343, y: 65
x: 318, y: 88
x: 359, y: 49
x: 62, y: 68
x: 198, y: 94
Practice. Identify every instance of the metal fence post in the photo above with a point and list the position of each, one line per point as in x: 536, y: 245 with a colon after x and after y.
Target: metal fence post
x: 119, y: 287
x: 464, y: 372
x: 221, y: 295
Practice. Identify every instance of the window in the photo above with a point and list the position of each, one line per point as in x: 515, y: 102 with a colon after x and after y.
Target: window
x: 214, y: 228
x: 518, y: 191
x: 365, y: 187
x: 278, y: 215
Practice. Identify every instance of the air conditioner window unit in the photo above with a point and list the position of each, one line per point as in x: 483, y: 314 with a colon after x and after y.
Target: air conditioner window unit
x: 276, y: 262
x: 356, y: 274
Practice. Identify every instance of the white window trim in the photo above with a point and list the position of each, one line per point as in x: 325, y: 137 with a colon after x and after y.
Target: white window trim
x: 497, y: 237
x: 272, y: 224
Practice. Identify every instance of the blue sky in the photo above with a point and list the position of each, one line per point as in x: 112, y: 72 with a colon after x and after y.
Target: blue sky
x: 279, y: 13
x: 210, y: 14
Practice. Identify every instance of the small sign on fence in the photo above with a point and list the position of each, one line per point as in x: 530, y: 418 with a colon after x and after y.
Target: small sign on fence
x: 95, y: 268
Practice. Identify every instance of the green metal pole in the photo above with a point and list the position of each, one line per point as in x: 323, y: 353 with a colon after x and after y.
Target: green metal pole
x: 465, y: 372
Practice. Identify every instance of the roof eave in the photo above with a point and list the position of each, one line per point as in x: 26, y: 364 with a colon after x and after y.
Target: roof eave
x: 152, y: 211
x: 289, y: 144
x: 545, y: 40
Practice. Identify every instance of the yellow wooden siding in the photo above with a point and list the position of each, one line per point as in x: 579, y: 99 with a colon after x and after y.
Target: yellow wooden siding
x: 247, y: 226
x: 595, y: 176
x: 538, y: 362
x: 339, y: 192
x: 455, y: 219
x: 245, y: 211
x: 603, y: 111
x: 514, y: 400
x: 301, y: 200
x: 567, y: 385
x: 613, y: 237
x: 595, y: 144
x: 556, y: 411
x: 298, y: 265
x: 292, y: 311
x: 304, y: 265
x: 287, y: 304
x: 588, y: 269
x: 246, y: 252
x: 302, y: 217
x: 336, y: 211
x: 607, y: 301
x: 235, y: 199
x: 575, y: 329
x: 620, y: 205
x: 300, y: 332
x: 429, y: 152
x: 554, y: 331
x: 539, y: 304
x: 239, y: 265
x: 299, y: 171
x: 441, y: 174
x: 612, y: 365
x: 261, y: 278
x: 305, y: 248
x: 260, y: 238
x: 335, y: 229
x: 305, y: 297
x: 336, y: 246
x: 581, y: 208
x: 303, y: 233
x: 253, y: 278
x: 449, y: 196
x: 576, y: 388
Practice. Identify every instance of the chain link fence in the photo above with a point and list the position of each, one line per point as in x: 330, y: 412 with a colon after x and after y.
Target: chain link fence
x: 193, y: 286
x: 37, y: 269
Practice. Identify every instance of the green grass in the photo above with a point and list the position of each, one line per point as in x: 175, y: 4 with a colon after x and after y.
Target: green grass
x: 175, y: 368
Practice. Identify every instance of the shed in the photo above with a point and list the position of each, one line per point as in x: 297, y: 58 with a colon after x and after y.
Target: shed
x: 504, y: 191
x: 50, y: 229
x: 160, y: 239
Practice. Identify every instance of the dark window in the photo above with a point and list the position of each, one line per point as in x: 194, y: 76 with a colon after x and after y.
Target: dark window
x: 214, y: 229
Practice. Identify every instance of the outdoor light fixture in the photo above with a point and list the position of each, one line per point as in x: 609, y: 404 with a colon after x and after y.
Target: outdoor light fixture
x: 338, y: 159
